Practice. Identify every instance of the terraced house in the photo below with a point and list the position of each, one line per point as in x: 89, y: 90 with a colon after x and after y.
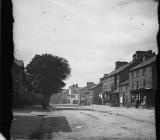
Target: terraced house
x: 95, y: 93
x: 114, y: 80
x: 143, y: 81
x: 85, y: 94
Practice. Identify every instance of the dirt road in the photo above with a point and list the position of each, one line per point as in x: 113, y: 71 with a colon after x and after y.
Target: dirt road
x: 76, y: 123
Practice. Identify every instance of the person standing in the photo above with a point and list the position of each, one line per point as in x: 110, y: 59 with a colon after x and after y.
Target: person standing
x: 137, y: 103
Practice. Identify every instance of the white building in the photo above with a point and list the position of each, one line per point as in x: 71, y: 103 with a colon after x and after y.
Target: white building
x: 73, y: 96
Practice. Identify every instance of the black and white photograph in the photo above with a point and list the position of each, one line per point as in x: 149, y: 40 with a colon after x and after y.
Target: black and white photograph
x: 84, y: 69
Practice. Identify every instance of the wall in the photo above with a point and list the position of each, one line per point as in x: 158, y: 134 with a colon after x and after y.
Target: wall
x: 90, y: 97
x: 108, y: 83
x: 141, y: 76
x: 96, y: 91
x: 154, y: 75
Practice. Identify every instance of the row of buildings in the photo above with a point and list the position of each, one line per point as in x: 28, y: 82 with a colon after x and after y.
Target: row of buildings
x: 121, y: 87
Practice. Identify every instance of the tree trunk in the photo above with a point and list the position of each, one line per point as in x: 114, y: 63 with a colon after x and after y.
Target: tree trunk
x: 47, y: 100
x: 44, y: 99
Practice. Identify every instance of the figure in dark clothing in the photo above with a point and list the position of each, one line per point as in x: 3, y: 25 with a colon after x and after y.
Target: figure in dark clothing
x: 137, y: 103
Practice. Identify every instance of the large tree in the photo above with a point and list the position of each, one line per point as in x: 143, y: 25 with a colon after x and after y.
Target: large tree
x: 46, y: 74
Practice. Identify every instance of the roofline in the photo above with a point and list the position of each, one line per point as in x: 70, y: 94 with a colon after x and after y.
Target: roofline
x: 95, y: 86
x: 117, y: 69
x: 144, y: 65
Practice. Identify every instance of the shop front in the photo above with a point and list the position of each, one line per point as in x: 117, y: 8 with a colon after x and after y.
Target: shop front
x: 145, y: 97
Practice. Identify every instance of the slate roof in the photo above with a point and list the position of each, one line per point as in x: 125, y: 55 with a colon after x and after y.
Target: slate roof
x: 146, y: 63
x: 124, y: 83
x: 80, y: 88
x: 119, y: 69
x: 95, y: 85
x: 83, y: 90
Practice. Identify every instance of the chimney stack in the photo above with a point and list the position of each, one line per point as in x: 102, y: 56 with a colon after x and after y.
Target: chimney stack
x: 89, y: 84
x: 139, y: 55
x: 148, y: 55
x: 101, y: 79
x: 119, y: 64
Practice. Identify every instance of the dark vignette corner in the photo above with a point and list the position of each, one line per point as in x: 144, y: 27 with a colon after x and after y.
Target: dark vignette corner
x: 157, y: 106
x: 6, y: 64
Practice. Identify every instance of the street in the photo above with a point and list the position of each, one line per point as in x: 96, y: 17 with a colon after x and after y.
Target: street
x: 73, y: 122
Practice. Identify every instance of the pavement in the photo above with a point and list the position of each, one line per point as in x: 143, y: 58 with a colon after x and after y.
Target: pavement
x: 74, y: 122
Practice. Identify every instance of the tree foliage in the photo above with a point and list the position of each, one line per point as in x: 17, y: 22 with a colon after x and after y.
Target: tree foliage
x: 47, y: 72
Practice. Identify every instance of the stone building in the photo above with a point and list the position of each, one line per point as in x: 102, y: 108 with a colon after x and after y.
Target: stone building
x: 85, y: 96
x: 95, y: 93
x: 143, y: 81
x: 123, y: 90
x: 113, y: 80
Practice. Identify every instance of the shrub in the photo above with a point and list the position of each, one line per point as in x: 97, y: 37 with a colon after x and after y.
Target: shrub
x: 28, y: 100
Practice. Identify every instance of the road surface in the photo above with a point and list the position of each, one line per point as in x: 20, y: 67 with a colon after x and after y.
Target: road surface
x: 73, y: 122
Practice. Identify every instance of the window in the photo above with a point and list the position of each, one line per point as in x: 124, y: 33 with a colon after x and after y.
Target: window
x: 137, y: 84
x: 144, y: 82
x: 126, y: 88
x: 143, y: 71
x: 132, y: 74
x: 72, y: 96
x: 75, y: 101
x: 68, y: 100
x: 133, y: 85
x: 69, y: 96
x: 120, y: 89
x: 137, y: 72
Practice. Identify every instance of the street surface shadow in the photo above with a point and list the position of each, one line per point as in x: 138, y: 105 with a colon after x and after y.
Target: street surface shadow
x: 29, y: 109
x: 38, y: 127
x: 49, y: 125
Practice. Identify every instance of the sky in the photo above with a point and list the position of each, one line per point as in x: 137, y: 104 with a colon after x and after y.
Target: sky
x: 91, y: 34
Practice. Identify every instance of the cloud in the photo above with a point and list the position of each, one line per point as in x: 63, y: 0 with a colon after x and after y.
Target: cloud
x: 90, y: 34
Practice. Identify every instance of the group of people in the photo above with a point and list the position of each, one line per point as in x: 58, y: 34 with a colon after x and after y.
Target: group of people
x: 138, y: 102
